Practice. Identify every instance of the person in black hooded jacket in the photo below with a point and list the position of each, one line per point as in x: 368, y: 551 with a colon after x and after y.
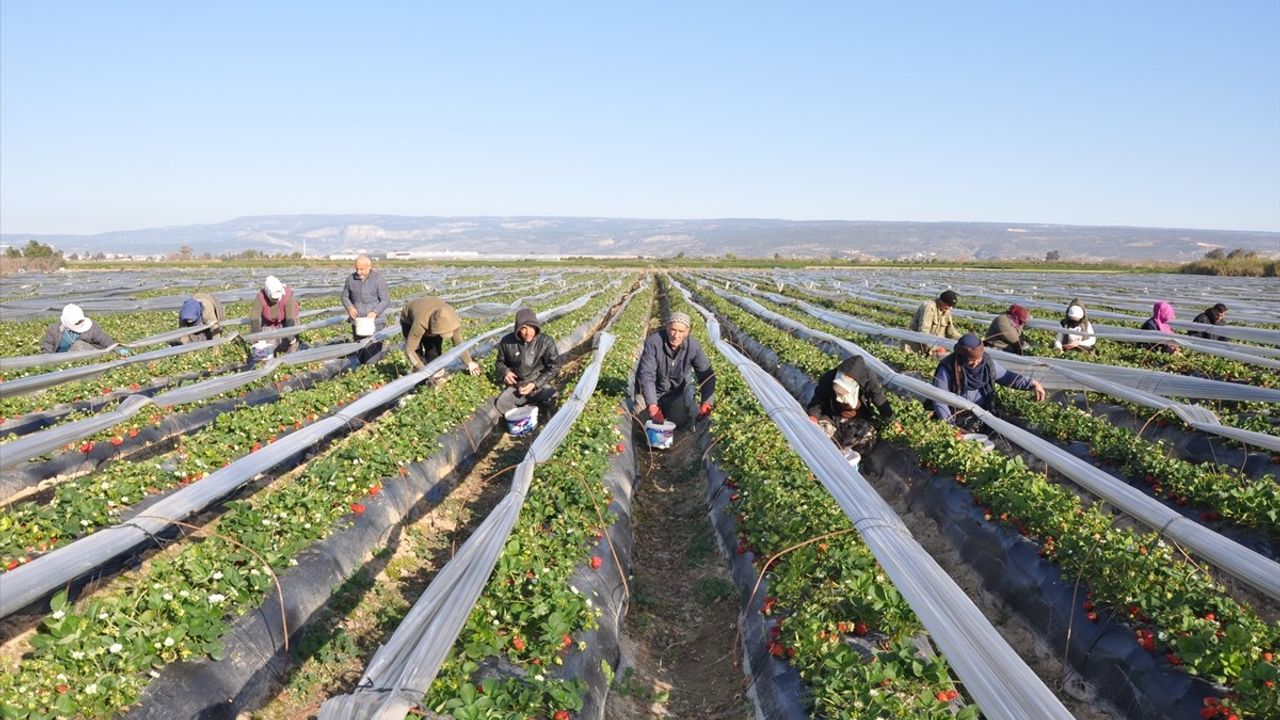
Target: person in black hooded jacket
x: 527, y: 362
x: 848, y: 402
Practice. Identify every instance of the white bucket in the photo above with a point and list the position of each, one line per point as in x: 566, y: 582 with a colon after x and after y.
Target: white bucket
x: 853, y: 456
x: 660, y: 435
x: 522, y: 420
x: 263, y: 350
x: 983, y: 440
x: 364, y: 326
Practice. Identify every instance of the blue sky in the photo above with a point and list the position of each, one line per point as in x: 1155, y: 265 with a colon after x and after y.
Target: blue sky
x: 140, y: 114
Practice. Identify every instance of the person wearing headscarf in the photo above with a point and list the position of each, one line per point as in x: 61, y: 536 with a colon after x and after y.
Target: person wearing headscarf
x: 933, y: 317
x: 425, y: 322
x: 527, y: 362
x: 73, y: 332
x: 665, y: 361
x: 275, y: 308
x: 200, y: 309
x: 848, y: 403
x: 1161, y: 314
x: 1077, y: 331
x: 1216, y: 315
x: 973, y: 375
x: 1005, y: 332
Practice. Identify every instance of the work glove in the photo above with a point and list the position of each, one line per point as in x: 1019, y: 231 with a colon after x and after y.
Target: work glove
x: 655, y: 414
x: 704, y: 410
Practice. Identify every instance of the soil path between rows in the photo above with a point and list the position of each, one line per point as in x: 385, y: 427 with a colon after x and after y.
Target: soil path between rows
x: 679, y: 649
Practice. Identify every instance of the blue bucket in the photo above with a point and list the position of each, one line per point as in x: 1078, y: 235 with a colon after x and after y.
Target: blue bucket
x: 660, y: 435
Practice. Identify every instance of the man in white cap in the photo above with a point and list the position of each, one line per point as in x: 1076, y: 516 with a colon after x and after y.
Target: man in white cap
x: 73, y: 332
x: 665, y: 362
x: 276, y: 308
x: 848, y: 403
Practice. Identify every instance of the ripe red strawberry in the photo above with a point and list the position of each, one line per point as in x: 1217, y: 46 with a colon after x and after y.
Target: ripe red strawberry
x: 860, y: 629
x: 566, y: 640
x: 133, y: 432
x: 256, y: 447
x: 596, y: 562
x: 1093, y: 616
x: 357, y: 508
x: 1267, y: 656
x: 11, y: 565
x: 619, y: 448
x: 1210, y: 617
x: 561, y: 715
x: 517, y: 642
x: 117, y: 441
x: 941, y: 696
x: 61, y: 688
x: 375, y: 490
x: 87, y: 447
x: 1174, y: 659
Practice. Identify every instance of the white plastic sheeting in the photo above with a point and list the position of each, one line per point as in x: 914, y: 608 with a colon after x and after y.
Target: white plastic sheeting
x: 1001, y: 683
x: 33, y: 580
x: 1258, y: 571
x: 403, y: 669
x: 1147, y: 388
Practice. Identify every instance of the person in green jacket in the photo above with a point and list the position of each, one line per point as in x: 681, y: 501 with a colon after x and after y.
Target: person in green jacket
x: 934, y: 318
x: 425, y: 322
x: 1005, y: 332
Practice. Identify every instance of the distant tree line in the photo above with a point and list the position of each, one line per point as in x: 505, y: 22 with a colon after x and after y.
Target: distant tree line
x: 34, y: 256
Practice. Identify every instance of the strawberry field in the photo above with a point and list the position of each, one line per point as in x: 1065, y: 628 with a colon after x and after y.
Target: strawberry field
x: 187, y: 533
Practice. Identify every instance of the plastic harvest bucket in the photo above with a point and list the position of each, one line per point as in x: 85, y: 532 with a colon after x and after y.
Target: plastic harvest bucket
x: 263, y: 350
x: 983, y: 440
x: 660, y: 435
x: 853, y: 456
x: 522, y: 420
x: 364, y: 326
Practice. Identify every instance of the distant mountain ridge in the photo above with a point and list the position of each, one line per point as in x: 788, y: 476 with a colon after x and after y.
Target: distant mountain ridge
x: 566, y: 236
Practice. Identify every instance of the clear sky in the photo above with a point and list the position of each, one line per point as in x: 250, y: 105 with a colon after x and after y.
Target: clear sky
x: 119, y: 115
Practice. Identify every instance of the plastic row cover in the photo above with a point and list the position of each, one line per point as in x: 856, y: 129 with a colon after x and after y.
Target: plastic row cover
x: 1238, y: 332
x: 1128, y: 384
x: 33, y: 580
x: 1151, y: 381
x: 403, y: 669
x: 1258, y: 571
x: 994, y: 675
x: 1253, y: 355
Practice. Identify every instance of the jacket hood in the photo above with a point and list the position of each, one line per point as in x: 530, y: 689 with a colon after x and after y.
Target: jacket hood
x: 525, y: 316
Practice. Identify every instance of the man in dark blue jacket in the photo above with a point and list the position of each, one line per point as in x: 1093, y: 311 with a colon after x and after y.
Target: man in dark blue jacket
x: 665, y: 362
x: 527, y: 364
x: 969, y: 373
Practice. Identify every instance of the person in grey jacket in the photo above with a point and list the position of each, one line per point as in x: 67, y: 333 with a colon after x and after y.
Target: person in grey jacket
x: 969, y: 373
x: 665, y: 362
x: 73, y: 332
x: 526, y: 365
x: 365, y: 294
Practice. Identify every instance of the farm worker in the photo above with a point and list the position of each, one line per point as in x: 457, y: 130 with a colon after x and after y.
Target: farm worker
x: 276, y: 308
x: 73, y: 332
x: 848, y: 402
x: 365, y: 294
x: 933, y: 317
x: 971, y: 374
x: 1005, y: 332
x: 663, y: 373
x: 1216, y: 315
x: 1161, y: 314
x: 425, y: 322
x: 200, y: 309
x: 1077, y: 331
x: 526, y: 365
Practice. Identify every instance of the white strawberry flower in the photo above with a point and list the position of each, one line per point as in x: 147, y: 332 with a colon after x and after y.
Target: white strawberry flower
x: 115, y: 648
x: 216, y: 598
x: 59, y: 615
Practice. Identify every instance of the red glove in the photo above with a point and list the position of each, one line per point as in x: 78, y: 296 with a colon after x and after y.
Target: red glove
x: 704, y: 410
x: 655, y: 414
